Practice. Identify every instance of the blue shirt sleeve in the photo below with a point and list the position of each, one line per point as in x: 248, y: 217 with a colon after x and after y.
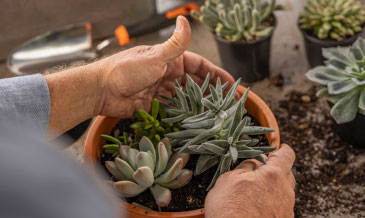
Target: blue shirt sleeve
x: 26, y: 98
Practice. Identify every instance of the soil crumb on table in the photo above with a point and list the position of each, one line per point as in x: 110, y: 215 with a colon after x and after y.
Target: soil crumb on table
x: 330, y: 173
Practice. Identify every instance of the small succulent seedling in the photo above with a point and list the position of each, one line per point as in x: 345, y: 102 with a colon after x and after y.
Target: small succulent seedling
x: 343, y: 80
x: 236, y: 19
x: 334, y: 19
x: 216, y: 133
x: 150, y: 125
x: 156, y: 169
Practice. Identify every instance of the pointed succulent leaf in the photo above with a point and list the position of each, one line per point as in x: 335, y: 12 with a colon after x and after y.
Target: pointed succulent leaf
x: 261, y: 159
x: 248, y: 153
x: 175, y: 119
x: 205, y: 162
x: 237, y: 119
x: 234, y: 153
x: 213, y: 148
x: 112, y: 168
x: 265, y: 149
x: 162, y: 159
x: 184, y: 134
x: 182, y: 99
x: 204, y: 124
x: 208, y: 104
x: 125, y: 168
x: 214, y: 93
x: 128, y: 188
x: 161, y: 194
x: 324, y: 75
x: 145, y: 159
x: 146, y: 145
x: 144, y: 176
x: 205, y: 83
x: 172, y: 173
x: 255, y: 130
x: 226, y: 164
x: 240, y: 127
x: 111, y: 139
x: 182, y: 179
x: 221, y: 143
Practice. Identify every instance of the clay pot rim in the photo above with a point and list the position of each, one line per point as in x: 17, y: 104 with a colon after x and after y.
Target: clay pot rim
x: 262, y: 108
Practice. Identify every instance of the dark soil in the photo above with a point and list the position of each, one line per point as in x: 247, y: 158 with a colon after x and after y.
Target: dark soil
x: 329, y: 172
x: 189, y: 197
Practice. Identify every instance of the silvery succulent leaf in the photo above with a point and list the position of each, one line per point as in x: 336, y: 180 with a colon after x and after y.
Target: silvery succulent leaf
x: 342, y: 80
x: 147, y: 168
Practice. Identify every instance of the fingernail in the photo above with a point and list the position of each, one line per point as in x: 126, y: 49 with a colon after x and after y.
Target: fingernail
x: 179, y: 25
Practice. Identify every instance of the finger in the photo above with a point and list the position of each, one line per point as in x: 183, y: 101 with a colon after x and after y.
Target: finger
x: 178, y: 43
x: 199, y: 66
x: 249, y: 165
x: 282, y: 158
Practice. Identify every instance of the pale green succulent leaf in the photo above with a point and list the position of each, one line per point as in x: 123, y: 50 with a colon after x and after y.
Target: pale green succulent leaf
x: 240, y: 127
x: 226, y: 164
x: 144, y: 176
x: 255, y: 130
x: 132, y: 154
x: 184, y: 134
x: 265, y: 149
x: 168, y: 145
x: 182, y: 179
x: 116, y: 173
x: 339, y: 87
x: 163, y: 158
x: 324, y: 75
x: 128, y: 188
x: 123, y: 152
x: 146, y: 145
x: 161, y: 195
x: 145, y: 159
x: 346, y: 108
x: 125, y: 168
x: 171, y: 173
x: 198, y: 118
x: 175, y: 119
x: 221, y: 143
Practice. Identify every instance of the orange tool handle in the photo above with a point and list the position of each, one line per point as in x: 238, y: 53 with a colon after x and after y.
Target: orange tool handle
x: 155, y: 23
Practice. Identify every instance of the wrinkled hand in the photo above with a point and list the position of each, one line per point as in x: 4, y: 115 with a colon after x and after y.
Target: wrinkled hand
x: 255, y: 190
x: 130, y: 79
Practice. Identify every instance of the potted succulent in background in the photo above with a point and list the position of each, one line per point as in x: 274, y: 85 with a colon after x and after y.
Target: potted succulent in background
x: 343, y: 85
x: 330, y: 23
x: 206, y: 134
x: 243, y: 31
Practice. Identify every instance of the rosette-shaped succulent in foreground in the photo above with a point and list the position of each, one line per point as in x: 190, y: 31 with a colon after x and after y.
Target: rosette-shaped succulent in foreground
x: 343, y: 80
x: 220, y: 133
x: 236, y: 19
x: 335, y: 19
x: 148, y: 168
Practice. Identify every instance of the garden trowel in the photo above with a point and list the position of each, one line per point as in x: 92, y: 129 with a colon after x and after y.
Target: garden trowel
x: 74, y: 42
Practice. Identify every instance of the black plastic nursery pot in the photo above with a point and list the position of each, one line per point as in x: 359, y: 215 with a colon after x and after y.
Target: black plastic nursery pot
x: 352, y: 132
x: 314, y: 46
x: 249, y: 60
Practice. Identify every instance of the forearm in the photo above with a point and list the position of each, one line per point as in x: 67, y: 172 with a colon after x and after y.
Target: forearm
x: 74, y: 96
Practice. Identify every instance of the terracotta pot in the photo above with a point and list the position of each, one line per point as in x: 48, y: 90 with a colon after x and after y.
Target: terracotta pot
x: 104, y: 125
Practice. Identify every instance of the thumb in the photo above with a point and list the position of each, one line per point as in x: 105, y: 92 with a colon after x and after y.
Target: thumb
x: 178, y: 42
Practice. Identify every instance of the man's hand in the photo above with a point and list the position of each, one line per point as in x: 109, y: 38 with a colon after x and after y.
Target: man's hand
x: 131, y: 79
x: 119, y: 85
x: 255, y: 190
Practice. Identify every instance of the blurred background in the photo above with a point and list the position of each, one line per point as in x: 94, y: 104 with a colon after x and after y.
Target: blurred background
x: 22, y: 20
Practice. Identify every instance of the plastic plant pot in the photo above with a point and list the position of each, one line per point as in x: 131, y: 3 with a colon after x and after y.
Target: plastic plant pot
x: 249, y: 60
x: 313, y: 46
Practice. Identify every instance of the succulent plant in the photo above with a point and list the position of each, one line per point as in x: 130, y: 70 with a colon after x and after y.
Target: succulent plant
x: 343, y: 80
x: 236, y: 19
x: 335, y: 19
x: 216, y: 132
x: 156, y: 169
x: 150, y: 125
